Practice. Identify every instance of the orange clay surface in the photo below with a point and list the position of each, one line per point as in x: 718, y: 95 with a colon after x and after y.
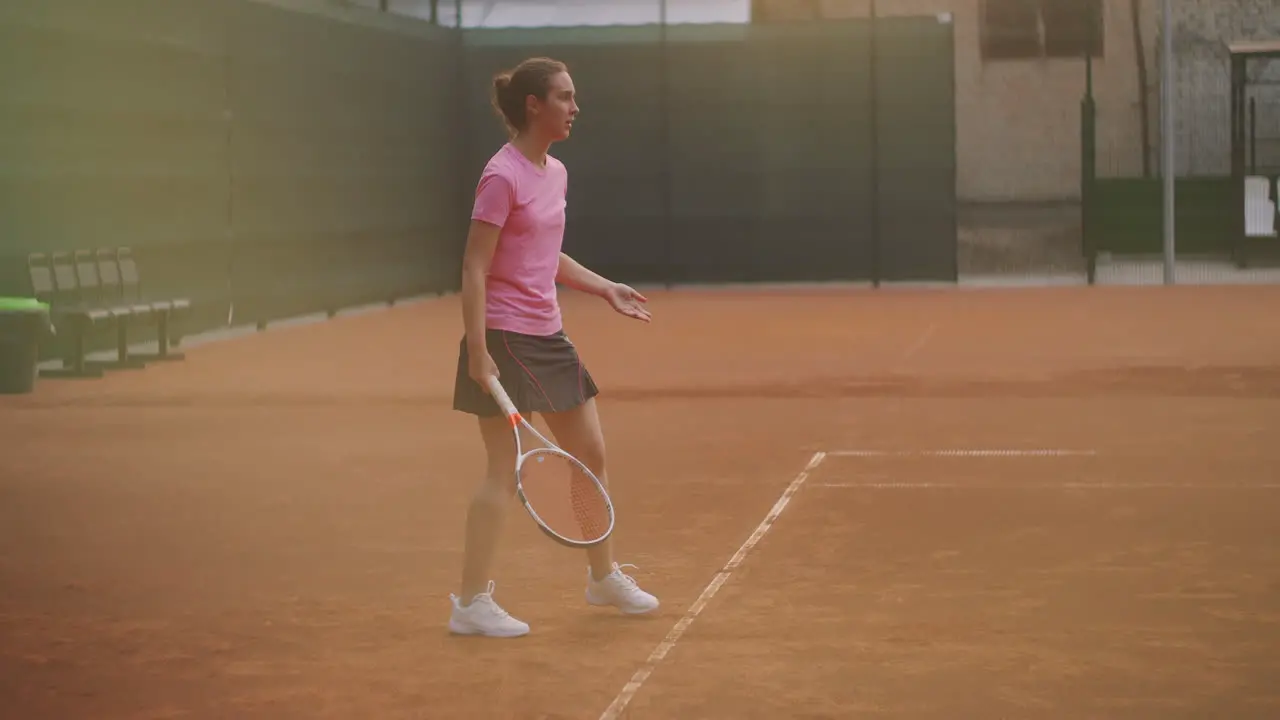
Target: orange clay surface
x: 270, y: 529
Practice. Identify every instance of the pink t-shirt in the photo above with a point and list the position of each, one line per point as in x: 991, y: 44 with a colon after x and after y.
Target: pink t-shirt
x: 528, y: 203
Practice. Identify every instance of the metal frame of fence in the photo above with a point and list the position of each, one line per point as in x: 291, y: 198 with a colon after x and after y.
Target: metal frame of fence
x: 1191, y: 216
x: 1243, y: 137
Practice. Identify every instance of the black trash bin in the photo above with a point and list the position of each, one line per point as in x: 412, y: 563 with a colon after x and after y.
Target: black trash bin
x: 24, y: 323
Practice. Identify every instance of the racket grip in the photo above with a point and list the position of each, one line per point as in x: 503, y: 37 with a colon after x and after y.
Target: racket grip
x: 500, y: 394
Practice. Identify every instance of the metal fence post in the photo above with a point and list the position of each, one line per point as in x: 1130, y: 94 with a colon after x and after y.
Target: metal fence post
x: 664, y: 100
x: 1167, y: 80
x: 874, y: 104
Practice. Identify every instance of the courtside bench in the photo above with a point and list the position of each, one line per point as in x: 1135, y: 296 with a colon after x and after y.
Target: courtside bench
x: 91, y: 289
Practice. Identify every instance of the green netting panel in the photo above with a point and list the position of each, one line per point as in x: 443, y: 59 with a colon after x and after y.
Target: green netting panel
x: 915, y: 102
x: 744, y: 153
x: 1128, y: 216
x: 242, y: 147
x: 342, y: 158
x: 816, y: 150
x: 112, y: 129
x: 299, y: 158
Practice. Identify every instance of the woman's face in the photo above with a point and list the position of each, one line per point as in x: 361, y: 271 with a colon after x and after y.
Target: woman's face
x: 553, y: 118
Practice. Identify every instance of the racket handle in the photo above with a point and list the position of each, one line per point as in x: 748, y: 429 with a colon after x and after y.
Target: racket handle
x: 500, y: 394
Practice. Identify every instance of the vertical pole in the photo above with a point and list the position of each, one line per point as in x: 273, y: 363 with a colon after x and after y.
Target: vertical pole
x: 1088, y: 169
x: 1167, y: 80
x: 874, y: 104
x: 1088, y: 73
x: 229, y: 119
x: 462, y: 150
x: 664, y: 125
x: 1253, y: 136
x: 1140, y: 59
x: 1238, y: 158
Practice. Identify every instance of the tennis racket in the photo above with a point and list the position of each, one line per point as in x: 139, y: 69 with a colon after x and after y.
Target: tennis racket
x: 563, y: 496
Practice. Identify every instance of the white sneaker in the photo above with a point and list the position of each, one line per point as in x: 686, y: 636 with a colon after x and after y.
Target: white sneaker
x: 484, y: 617
x: 621, y: 591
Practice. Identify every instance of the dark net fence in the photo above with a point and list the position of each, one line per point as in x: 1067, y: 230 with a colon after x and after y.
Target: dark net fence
x: 258, y: 159
x: 728, y: 152
x: 341, y: 159
x: 269, y: 159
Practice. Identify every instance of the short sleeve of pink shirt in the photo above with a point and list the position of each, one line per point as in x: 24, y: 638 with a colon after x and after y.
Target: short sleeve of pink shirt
x: 493, y: 199
x: 528, y: 204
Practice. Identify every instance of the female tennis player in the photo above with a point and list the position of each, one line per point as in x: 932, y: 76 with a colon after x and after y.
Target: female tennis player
x: 513, y: 329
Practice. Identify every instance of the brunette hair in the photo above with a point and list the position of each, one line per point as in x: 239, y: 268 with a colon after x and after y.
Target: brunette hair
x: 511, y: 87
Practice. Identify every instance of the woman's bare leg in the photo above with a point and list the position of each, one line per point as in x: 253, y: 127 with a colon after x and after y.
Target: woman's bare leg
x: 488, y: 506
x: 578, y: 431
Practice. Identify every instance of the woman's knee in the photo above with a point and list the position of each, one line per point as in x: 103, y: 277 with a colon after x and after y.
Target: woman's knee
x: 591, y: 452
x: 578, y: 432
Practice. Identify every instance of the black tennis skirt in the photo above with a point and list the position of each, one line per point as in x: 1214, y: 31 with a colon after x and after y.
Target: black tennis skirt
x: 541, y: 374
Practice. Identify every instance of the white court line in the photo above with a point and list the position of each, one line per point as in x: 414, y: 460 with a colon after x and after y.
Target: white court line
x: 633, y: 686
x: 965, y: 453
x: 1054, y: 486
x: 919, y: 343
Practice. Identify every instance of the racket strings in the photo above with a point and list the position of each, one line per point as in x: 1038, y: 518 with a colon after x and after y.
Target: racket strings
x: 588, y: 505
x: 566, y: 499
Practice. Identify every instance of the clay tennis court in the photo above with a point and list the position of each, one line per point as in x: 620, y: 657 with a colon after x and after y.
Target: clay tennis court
x: 1017, y: 503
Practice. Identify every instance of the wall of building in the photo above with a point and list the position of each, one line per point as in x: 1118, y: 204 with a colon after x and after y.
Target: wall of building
x: 1018, y: 121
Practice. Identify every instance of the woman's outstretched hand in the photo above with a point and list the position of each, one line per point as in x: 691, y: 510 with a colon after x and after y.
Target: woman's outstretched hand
x: 627, y: 301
